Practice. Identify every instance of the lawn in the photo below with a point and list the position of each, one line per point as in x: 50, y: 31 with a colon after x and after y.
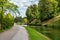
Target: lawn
x: 34, y: 35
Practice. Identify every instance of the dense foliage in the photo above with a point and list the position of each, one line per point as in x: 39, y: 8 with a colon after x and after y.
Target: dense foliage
x: 47, y: 9
x: 25, y: 21
x: 7, y: 21
x: 18, y: 19
x: 32, y: 14
x: 58, y: 4
x: 6, y: 6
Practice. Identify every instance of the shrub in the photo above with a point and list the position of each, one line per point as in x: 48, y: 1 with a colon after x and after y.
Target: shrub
x: 8, y: 21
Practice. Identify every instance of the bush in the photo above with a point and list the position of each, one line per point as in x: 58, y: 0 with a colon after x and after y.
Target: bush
x: 7, y: 21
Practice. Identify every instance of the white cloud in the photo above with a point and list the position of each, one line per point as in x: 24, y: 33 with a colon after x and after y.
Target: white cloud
x: 23, y: 4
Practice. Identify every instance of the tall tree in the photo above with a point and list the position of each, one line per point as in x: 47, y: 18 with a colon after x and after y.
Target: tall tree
x: 47, y: 8
x: 32, y: 12
x: 5, y: 5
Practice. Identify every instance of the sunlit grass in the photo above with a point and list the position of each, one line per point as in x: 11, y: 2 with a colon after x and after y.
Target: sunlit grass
x: 34, y: 35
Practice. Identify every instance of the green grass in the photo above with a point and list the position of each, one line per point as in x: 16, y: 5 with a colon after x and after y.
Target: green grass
x: 34, y: 35
x: 52, y: 33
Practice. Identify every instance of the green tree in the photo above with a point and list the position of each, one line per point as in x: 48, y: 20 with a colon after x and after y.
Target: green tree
x: 58, y: 4
x: 5, y: 5
x: 47, y: 9
x: 28, y: 13
x: 18, y: 19
x: 25, y: 20
x: 32, y: 13
x: 7, y: 21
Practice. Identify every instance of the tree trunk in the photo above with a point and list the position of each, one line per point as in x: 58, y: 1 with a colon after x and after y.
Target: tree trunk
x: 2, y: 13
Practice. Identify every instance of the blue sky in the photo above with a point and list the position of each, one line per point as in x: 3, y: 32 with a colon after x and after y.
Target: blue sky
x: 23, y: 4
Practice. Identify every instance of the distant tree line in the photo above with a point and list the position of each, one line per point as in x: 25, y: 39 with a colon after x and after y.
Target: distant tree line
x: 20, y: 20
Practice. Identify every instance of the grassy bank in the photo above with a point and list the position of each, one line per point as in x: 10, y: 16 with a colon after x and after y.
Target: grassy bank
x: 50, y: 32
x: 34, y: 35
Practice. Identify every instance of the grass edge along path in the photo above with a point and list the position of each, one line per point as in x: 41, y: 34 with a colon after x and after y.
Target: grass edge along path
x: 34, y: 35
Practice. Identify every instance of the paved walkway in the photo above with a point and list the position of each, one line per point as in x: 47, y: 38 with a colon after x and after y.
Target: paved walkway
x: 16, y: 33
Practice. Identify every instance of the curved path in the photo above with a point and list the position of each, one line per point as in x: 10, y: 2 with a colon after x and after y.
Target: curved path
x: 16, y: 33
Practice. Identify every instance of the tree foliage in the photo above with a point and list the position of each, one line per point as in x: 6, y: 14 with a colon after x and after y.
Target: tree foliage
x: 7, y: 21
x: 6, y: 6
x: 47, y: 9
x: 58, y: 4
x: 25, y: 20
x: 32, y: 13
x: 18, y: 19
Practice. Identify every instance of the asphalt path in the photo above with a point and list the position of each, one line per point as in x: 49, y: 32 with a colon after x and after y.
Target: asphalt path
x: 17, y: 32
